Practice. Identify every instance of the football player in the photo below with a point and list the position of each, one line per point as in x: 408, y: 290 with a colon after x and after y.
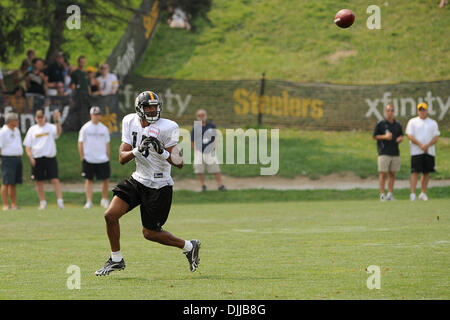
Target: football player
x: 151, y: 141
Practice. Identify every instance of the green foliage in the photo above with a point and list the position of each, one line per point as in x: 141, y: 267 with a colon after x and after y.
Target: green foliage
x: 102, y: 25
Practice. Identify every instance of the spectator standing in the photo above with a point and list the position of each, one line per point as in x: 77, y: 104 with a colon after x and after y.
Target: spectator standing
x: 94, y: 85
x: 79, y: 77
x: 11, y: 152
x: 60, y: 90
x: 40, y: 147
x: 55, y: 73
x: 423, y: 133
x: 80, y: 91
x: 36, y: 79
x: 94, y: 150
x: 68, y: 79
x: 19, y: 76
x: 18, y: 100
x: 204, y: 152
x: 389, y: 134
x: 108, y: 81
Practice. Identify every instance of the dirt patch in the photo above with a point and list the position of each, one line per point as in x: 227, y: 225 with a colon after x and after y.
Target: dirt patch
x: 345, y: 181
x: 339, y: 54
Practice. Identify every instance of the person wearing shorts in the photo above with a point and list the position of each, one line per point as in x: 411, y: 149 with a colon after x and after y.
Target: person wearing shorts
x: 203, y: 141
x: 40, y: 147
x: 423, y: 133
x: 151, y: 142
x: 94, y: 150
x: 388, y: 133
x: 11, y: 153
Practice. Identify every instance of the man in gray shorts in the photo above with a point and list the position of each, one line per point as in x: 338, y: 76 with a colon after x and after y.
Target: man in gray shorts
x: 203, y: 142
x: 389, y: 134
x: 11, y: 152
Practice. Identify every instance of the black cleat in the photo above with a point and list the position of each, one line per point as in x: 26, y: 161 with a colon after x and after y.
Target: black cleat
x: 193, y: 256
x: 110, y: 266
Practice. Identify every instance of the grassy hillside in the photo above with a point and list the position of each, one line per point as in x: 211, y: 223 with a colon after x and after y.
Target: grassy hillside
x: 297, y: 40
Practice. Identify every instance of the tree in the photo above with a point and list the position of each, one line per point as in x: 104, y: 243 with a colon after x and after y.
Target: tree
x: 51, y: 15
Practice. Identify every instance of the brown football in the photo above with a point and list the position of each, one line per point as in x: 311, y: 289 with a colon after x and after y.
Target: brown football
x: 344, y: 18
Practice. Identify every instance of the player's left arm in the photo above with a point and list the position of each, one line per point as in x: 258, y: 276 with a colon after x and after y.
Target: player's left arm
x: 175, y: 157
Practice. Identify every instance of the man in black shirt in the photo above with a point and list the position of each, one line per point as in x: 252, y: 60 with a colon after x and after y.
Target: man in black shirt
x: 389, y: 134
x: 55, y: 73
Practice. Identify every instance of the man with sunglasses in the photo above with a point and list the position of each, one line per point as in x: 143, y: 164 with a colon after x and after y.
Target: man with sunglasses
x: 389, y: 134
x: 423, y: 133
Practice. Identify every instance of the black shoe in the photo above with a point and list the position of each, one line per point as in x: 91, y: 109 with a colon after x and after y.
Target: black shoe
x: 203, y: 188
x: 222, y: 188
x: 110, y: 266
x: 193, y: 256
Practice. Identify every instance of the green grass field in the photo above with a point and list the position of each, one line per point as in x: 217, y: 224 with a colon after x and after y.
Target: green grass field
x: 297, y: 250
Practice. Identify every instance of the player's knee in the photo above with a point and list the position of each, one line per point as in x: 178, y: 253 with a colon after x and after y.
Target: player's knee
x: 150, y: 235
x: 109, y: 216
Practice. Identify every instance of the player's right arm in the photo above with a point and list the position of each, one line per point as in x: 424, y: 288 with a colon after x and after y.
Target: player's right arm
x: 125, y: 153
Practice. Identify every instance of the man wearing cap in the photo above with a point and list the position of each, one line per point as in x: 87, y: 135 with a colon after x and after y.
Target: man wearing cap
x: 389, y: 134
x: 40, y: 147
x: 11, y: 152
x: 423, y: 133
x: 94, y: 150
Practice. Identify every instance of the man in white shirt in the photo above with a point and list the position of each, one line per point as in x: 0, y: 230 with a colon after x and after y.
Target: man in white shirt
x: 94, y: 150
x: 11, y: 151
x: 423, y: 134
x: 151, y: 141
x: 40, y: 147
x: 108, y: 81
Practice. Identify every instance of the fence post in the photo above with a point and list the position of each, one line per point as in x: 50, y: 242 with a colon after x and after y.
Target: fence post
x: 261, y: 95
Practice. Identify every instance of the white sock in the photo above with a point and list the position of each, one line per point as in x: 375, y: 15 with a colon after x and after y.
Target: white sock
x: 187, y: 246
x: 389, y: 194
x: 116, y: 256
x: 60, y: 202
x: 43, y: 203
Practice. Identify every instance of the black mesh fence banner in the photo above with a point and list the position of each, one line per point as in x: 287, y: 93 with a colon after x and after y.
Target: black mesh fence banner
x: 284, y: 103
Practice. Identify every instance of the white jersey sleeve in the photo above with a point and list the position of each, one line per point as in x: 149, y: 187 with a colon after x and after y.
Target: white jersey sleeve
x: 127, y: 136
